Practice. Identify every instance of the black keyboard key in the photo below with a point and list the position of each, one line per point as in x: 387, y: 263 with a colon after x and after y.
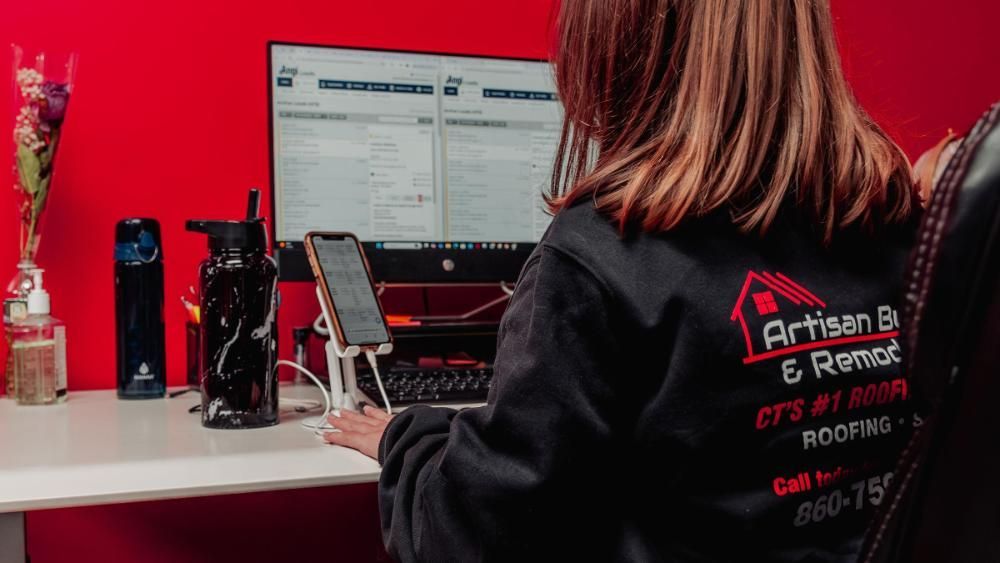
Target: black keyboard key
x: 410, y: 385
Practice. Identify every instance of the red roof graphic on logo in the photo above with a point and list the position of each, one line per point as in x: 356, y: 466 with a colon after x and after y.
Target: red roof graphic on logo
x: 764, y: 289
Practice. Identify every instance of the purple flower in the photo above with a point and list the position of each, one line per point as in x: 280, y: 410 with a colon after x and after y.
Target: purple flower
x: 53, y: 107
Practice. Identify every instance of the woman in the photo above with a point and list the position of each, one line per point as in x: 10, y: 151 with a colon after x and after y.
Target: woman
x: 700, y: 361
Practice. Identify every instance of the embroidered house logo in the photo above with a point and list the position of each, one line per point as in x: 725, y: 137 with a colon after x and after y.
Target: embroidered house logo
x: 780, y: 317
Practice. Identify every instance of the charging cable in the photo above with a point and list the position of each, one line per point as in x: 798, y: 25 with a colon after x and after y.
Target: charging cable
x: 321, y: 425
x: 319, y: 325
x: 370, y: 356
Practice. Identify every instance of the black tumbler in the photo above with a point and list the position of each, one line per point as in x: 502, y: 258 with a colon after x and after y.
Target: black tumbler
x: 142, y: 371
x: 239, y: 303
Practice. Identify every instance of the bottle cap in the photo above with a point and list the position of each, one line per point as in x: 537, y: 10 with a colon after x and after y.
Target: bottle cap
x: 250, y: 234
x: 39, y: 302
x: 231, y: 235
x: 138, y: 239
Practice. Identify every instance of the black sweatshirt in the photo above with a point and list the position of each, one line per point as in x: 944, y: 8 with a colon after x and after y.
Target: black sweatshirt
x: 698, y: 395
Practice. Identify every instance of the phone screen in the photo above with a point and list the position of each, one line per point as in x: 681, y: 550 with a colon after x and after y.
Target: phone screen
x: 353, y: 297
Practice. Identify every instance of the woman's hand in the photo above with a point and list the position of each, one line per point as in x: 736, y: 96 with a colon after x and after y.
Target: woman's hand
x: 361, y: 431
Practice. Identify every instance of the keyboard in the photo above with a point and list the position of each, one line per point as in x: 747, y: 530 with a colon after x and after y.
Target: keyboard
x: 407, y: 386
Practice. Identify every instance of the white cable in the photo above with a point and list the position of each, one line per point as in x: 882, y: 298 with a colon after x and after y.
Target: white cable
x: 322, y: 424
x: 370, y: 356
x: 508, y: 289
x: 318, y: 326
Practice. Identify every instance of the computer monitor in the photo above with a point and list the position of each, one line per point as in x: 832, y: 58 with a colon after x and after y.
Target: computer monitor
x: 438, y: 163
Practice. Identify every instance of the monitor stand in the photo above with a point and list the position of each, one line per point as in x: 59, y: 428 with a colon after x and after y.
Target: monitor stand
x: 508, y: 290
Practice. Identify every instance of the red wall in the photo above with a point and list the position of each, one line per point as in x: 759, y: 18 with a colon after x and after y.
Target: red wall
x: 920, y: 66
x: 169, y: 120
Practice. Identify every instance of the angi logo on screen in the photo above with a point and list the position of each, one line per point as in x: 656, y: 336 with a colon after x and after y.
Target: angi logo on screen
x: 454, y: 80
x: 288, y: 70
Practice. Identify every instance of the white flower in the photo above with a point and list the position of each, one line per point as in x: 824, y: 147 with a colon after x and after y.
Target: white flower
x: 30, y: 81
x: 27, y: 115
x: 26, y: 129
x: 27, y: 77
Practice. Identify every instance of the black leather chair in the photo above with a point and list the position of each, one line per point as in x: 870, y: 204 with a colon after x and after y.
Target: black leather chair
x: 945, y: 505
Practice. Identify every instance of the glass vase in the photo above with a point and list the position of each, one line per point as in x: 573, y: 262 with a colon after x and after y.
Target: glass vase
x: 15, y: 308
x: 42, y: 85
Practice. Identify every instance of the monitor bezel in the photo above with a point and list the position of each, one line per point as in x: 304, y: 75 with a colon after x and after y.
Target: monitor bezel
x: 397, y: 267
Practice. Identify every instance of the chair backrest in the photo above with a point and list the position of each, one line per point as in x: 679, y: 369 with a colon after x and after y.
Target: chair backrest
x: 945, y: 502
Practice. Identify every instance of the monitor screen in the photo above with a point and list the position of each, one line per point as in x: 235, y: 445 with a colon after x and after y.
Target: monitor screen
x: 436, y: 162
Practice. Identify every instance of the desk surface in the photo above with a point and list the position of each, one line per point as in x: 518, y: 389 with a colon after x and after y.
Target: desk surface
x: 96, y: 449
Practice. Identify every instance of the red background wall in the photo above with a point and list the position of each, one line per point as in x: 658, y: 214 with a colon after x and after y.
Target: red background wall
x: 169, y: 120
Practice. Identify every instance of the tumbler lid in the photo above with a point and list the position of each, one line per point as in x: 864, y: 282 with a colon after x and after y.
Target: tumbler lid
x: 138, y: 239
x: 250, y: 234
x: 231, y: 235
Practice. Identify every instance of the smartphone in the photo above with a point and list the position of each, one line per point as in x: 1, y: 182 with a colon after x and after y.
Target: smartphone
x: 346, y: 285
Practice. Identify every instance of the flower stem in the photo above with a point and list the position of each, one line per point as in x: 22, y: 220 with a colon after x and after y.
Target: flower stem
x: 30, y: 239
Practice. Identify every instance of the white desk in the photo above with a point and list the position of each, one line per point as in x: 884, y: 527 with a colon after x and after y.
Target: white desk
x: 95, y: 449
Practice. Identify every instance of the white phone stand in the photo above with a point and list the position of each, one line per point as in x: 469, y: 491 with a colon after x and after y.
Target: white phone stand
x: 340, y: 363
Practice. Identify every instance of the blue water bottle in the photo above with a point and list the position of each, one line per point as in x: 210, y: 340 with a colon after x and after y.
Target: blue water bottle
x: 142, y: 371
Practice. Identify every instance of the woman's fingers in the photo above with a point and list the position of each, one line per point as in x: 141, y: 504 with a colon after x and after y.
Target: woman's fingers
x: 361, y: 432
x: 377, y: 413
x: 349, y: 424
x: 347, y: 439
x: 356, y: 417
x: 364, y: 442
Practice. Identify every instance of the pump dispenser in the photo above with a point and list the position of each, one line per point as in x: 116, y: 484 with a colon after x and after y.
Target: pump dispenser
x: 238, y: 342
x: 39, y: 302
x: 38, y: 347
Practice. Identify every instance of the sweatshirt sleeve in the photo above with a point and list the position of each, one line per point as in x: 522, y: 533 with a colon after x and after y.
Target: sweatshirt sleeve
x: 503, y: 482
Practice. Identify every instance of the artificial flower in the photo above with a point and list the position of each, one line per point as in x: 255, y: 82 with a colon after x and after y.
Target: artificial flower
x: 52, y: 105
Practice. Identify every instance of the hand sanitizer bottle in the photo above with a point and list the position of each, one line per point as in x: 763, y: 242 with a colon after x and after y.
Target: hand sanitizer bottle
x: 39, y: 350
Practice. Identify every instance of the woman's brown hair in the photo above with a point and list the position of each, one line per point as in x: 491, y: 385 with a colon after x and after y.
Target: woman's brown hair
x: 677, y: 108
